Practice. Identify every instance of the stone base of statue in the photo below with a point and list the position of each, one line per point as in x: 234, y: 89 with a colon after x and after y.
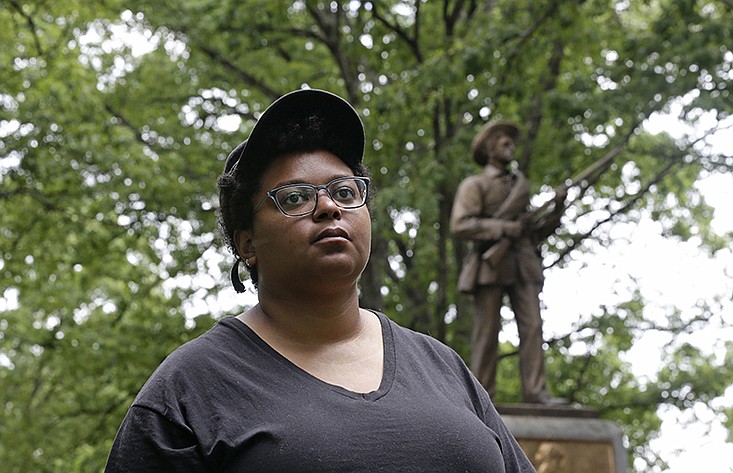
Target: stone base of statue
x: 566, y: 439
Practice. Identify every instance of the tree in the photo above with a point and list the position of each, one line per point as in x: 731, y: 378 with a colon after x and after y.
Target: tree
x: 117, y: 117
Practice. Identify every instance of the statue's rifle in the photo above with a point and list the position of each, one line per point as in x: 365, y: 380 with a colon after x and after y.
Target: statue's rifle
x: 496, y: 252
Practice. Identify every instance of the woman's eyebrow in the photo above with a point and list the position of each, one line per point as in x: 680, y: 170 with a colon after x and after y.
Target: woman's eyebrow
x: 300, y: 181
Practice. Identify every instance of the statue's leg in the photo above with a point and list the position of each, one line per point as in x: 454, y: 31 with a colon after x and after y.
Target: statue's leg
x: 525, y: 303
x: 485, y: 337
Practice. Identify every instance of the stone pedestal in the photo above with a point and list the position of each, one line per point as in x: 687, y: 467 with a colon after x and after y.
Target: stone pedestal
x: 566, y: 439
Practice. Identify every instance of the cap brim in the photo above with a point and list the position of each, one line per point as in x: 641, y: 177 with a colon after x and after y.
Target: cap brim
x: 340, y: 115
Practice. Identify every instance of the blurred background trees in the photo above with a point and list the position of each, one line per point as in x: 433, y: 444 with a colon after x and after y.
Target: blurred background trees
x: 116, y: 117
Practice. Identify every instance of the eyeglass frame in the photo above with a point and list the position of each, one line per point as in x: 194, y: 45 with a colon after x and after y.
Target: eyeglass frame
x: 271, y: 195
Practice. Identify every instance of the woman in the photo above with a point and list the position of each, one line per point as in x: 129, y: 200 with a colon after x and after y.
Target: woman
x: 306, y: 380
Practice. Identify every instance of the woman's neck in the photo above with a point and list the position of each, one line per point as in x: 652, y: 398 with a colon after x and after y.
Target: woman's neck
x: 307, y: 320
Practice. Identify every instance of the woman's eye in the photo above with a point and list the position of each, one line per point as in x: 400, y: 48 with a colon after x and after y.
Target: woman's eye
x: 295, y: 198
x: 344, y: 194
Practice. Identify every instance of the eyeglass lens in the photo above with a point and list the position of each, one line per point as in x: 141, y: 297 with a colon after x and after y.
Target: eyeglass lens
x: 300, y: 199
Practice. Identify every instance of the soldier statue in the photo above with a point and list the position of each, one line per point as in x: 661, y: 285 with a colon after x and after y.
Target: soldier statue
x: 490, y: 210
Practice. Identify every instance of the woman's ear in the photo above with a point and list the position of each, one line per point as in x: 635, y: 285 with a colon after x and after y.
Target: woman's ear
x: 244, y: 244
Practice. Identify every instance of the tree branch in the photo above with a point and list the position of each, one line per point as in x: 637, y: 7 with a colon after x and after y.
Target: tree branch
x: 625, y: 208
x: 31, y: 25
x: 241, y: 75
x: 412, y: 42
x: 548, y: 83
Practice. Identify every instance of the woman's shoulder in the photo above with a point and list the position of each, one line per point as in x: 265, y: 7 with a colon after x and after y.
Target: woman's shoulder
x: 419, y: 342
x: 217, y: 339
x: 198, y: 361
x: 421, y: 353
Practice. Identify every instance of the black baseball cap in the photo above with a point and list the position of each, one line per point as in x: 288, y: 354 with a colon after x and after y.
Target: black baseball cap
x: 339, y: 116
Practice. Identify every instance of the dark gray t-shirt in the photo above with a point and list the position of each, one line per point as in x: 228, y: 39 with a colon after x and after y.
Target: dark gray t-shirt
x: 228, y: 402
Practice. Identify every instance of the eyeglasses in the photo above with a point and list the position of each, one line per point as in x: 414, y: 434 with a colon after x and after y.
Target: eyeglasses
x: 295, y: 200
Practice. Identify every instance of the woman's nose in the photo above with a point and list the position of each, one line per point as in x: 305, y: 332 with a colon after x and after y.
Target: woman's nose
x: 325, y: 206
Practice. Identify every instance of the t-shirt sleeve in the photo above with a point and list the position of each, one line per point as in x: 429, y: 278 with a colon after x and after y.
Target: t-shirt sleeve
x: 515, y: 460
x: 147, y: 441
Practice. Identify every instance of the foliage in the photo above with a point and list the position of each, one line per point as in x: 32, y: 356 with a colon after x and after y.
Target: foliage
x: 116, y: 117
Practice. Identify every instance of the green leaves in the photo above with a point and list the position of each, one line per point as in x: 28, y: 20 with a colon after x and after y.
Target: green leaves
x: 116, y: 118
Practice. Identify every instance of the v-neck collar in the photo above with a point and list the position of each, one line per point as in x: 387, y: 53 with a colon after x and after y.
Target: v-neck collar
x: 388, y: 364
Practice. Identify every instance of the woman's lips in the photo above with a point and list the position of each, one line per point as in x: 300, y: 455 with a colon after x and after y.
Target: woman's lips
x: 329, y: 233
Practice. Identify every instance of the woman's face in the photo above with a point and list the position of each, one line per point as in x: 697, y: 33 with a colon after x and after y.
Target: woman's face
x: 326, y: 249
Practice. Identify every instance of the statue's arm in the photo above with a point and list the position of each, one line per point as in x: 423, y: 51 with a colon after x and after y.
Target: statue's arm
x: 467, y: 221
x: 550, y: 221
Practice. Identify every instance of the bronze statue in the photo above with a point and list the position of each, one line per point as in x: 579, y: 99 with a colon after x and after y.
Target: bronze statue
x: 491, y: 211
